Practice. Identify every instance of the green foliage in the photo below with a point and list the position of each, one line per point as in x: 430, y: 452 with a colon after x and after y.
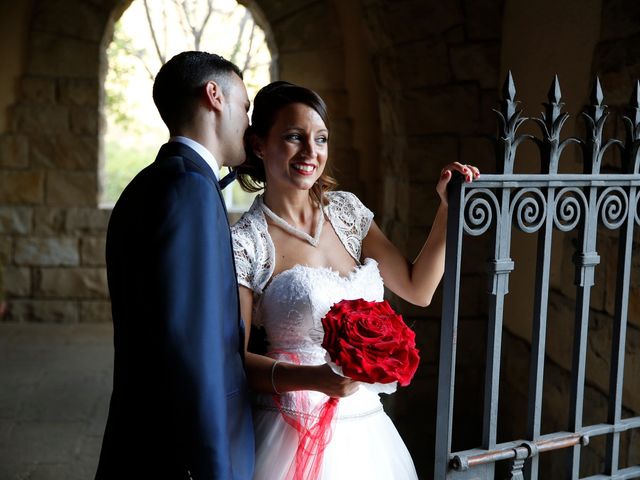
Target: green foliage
x: 124, y: 163
x: 118, y: 77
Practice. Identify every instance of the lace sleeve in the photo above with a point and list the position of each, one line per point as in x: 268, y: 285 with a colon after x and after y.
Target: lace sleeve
x: 253, y: 250
x: 244, y: 256
x: 350, y: 219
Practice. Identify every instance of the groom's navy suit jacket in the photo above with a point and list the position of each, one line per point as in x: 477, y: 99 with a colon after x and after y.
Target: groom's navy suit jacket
x: 179, y: 407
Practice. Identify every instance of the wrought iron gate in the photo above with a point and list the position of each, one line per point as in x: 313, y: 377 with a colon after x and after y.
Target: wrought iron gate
x: 540, y: 203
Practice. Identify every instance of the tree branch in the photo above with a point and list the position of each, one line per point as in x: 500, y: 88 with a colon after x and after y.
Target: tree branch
x: 161, y: 56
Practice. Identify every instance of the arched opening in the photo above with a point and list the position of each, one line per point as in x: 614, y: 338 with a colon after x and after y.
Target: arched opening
x: 146, y: 36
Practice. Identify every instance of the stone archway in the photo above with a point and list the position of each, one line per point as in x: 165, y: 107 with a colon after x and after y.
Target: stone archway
x: 53, y: 231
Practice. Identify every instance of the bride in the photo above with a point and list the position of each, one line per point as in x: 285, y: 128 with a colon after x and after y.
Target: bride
x: 299, y: 249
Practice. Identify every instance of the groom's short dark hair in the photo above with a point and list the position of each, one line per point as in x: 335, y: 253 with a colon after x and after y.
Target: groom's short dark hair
x: 179, y: 84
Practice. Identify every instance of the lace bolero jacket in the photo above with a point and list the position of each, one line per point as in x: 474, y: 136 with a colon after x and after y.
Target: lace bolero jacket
x: 254, y: 251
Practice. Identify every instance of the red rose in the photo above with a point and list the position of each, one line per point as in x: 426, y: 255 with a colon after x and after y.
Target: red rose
x: 370, y: 342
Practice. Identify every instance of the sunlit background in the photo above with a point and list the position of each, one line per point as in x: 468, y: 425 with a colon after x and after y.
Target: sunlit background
x: 148, y: 34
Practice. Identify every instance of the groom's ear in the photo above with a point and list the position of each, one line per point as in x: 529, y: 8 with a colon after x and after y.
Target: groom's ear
x: 214, y: 96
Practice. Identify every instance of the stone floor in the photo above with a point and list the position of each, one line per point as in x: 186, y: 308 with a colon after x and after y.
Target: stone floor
x: 55, y: 382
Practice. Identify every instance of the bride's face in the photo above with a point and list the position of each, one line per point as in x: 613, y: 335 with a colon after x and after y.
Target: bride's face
x: 295, y: 151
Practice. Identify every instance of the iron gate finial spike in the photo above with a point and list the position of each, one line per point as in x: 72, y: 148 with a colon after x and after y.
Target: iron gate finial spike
x: 596, y: 94
x: 509, y: 89
x: 634, y: 103
x: 555, y: 95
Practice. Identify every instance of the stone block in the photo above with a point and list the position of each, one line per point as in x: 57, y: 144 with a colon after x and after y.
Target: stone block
x: 341, y: 133
x: 16, y: 220
x: 83, y: 20
x: 631, y: 389
x: 560, y: 324
x: 82, y: 92
x: 423, y: 204
x: 66, y: 189
x: 93, y: 221
x: 402, y: 202
x: 451, y: 109
x: 455, y: 35
x: 6, y: 250
x: 37, y: 118
x: 17, y: 281
x: 478, y: 62
x: 479, y: 151
x: 344, y: 165
x: 95, y: 312
x: 483, y: 20
x: 41, y: 90
x: 278, y: 9
x: 49, y: 221
x: 337, y: 101
x: 47, y: 252
x: 488, y: 118
x: 634, y: 447
x: 315, y: 69
x: 312, y: 25
x: 72, y: 283
x: 426, y: 156
x: 84, y: 120
x: 399, y: 19
x: 65, y: 151
x: 61, y: 56
x: 420, y: 64
x: 14, y: 151
x: 20, y: 188
x: 43, y: 311
x: 92, y: 251
x: 619, y: 19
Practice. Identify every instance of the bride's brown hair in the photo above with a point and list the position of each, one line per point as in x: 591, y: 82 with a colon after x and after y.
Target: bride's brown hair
x: 268, y: 102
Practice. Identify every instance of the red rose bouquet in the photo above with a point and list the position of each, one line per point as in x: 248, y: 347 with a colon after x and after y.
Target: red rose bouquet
x: 370, y: 342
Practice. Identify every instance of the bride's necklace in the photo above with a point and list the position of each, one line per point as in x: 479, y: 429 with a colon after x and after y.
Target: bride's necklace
x: 296, y: 232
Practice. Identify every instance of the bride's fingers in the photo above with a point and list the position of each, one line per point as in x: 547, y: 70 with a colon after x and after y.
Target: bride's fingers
x: 469, y: 172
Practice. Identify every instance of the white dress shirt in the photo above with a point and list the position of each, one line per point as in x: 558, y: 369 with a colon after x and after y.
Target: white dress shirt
x: 200, y: 150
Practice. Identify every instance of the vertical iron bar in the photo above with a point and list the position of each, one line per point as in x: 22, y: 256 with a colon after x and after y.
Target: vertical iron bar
x: 619, y: 336
x: 449, y: 328
x: 500, y: 269
x: 586, y: 262
x: 539, y: 332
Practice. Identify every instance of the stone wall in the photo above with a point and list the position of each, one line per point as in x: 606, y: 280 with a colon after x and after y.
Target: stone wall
x: 51, y: 230
x: 437, y: 80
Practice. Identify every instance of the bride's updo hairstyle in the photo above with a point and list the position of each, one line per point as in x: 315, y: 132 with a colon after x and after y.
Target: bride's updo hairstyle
x: 268, y: 102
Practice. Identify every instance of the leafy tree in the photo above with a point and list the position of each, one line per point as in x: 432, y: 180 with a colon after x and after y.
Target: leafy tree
x: 164, y: 28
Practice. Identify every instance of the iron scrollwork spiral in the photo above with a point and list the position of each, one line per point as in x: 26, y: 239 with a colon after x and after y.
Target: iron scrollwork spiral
x: 636, y: 203
x: 480, y: 206
x: 613, y: 207
x: 530, y: 208
x: 571, y: 204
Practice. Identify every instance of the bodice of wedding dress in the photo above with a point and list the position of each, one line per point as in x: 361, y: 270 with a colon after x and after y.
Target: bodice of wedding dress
x: 290, y: 305
x: 296, y: 300
x: 254, y: 251
x: 291, y: 310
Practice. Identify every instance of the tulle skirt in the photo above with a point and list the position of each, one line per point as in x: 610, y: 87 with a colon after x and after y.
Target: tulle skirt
x: 364, y: 442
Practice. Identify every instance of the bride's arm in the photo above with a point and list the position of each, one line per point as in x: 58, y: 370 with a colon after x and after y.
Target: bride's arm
x: 287, y: 377
x: 416, y: 282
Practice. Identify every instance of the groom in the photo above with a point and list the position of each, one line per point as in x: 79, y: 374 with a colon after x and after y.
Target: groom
x: 179, y: 408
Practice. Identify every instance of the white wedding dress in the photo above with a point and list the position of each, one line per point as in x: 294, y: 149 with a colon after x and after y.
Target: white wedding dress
x: 364, y: 442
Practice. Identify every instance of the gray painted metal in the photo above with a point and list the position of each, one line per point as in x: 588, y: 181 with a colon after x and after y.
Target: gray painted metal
x: 539, y: 204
